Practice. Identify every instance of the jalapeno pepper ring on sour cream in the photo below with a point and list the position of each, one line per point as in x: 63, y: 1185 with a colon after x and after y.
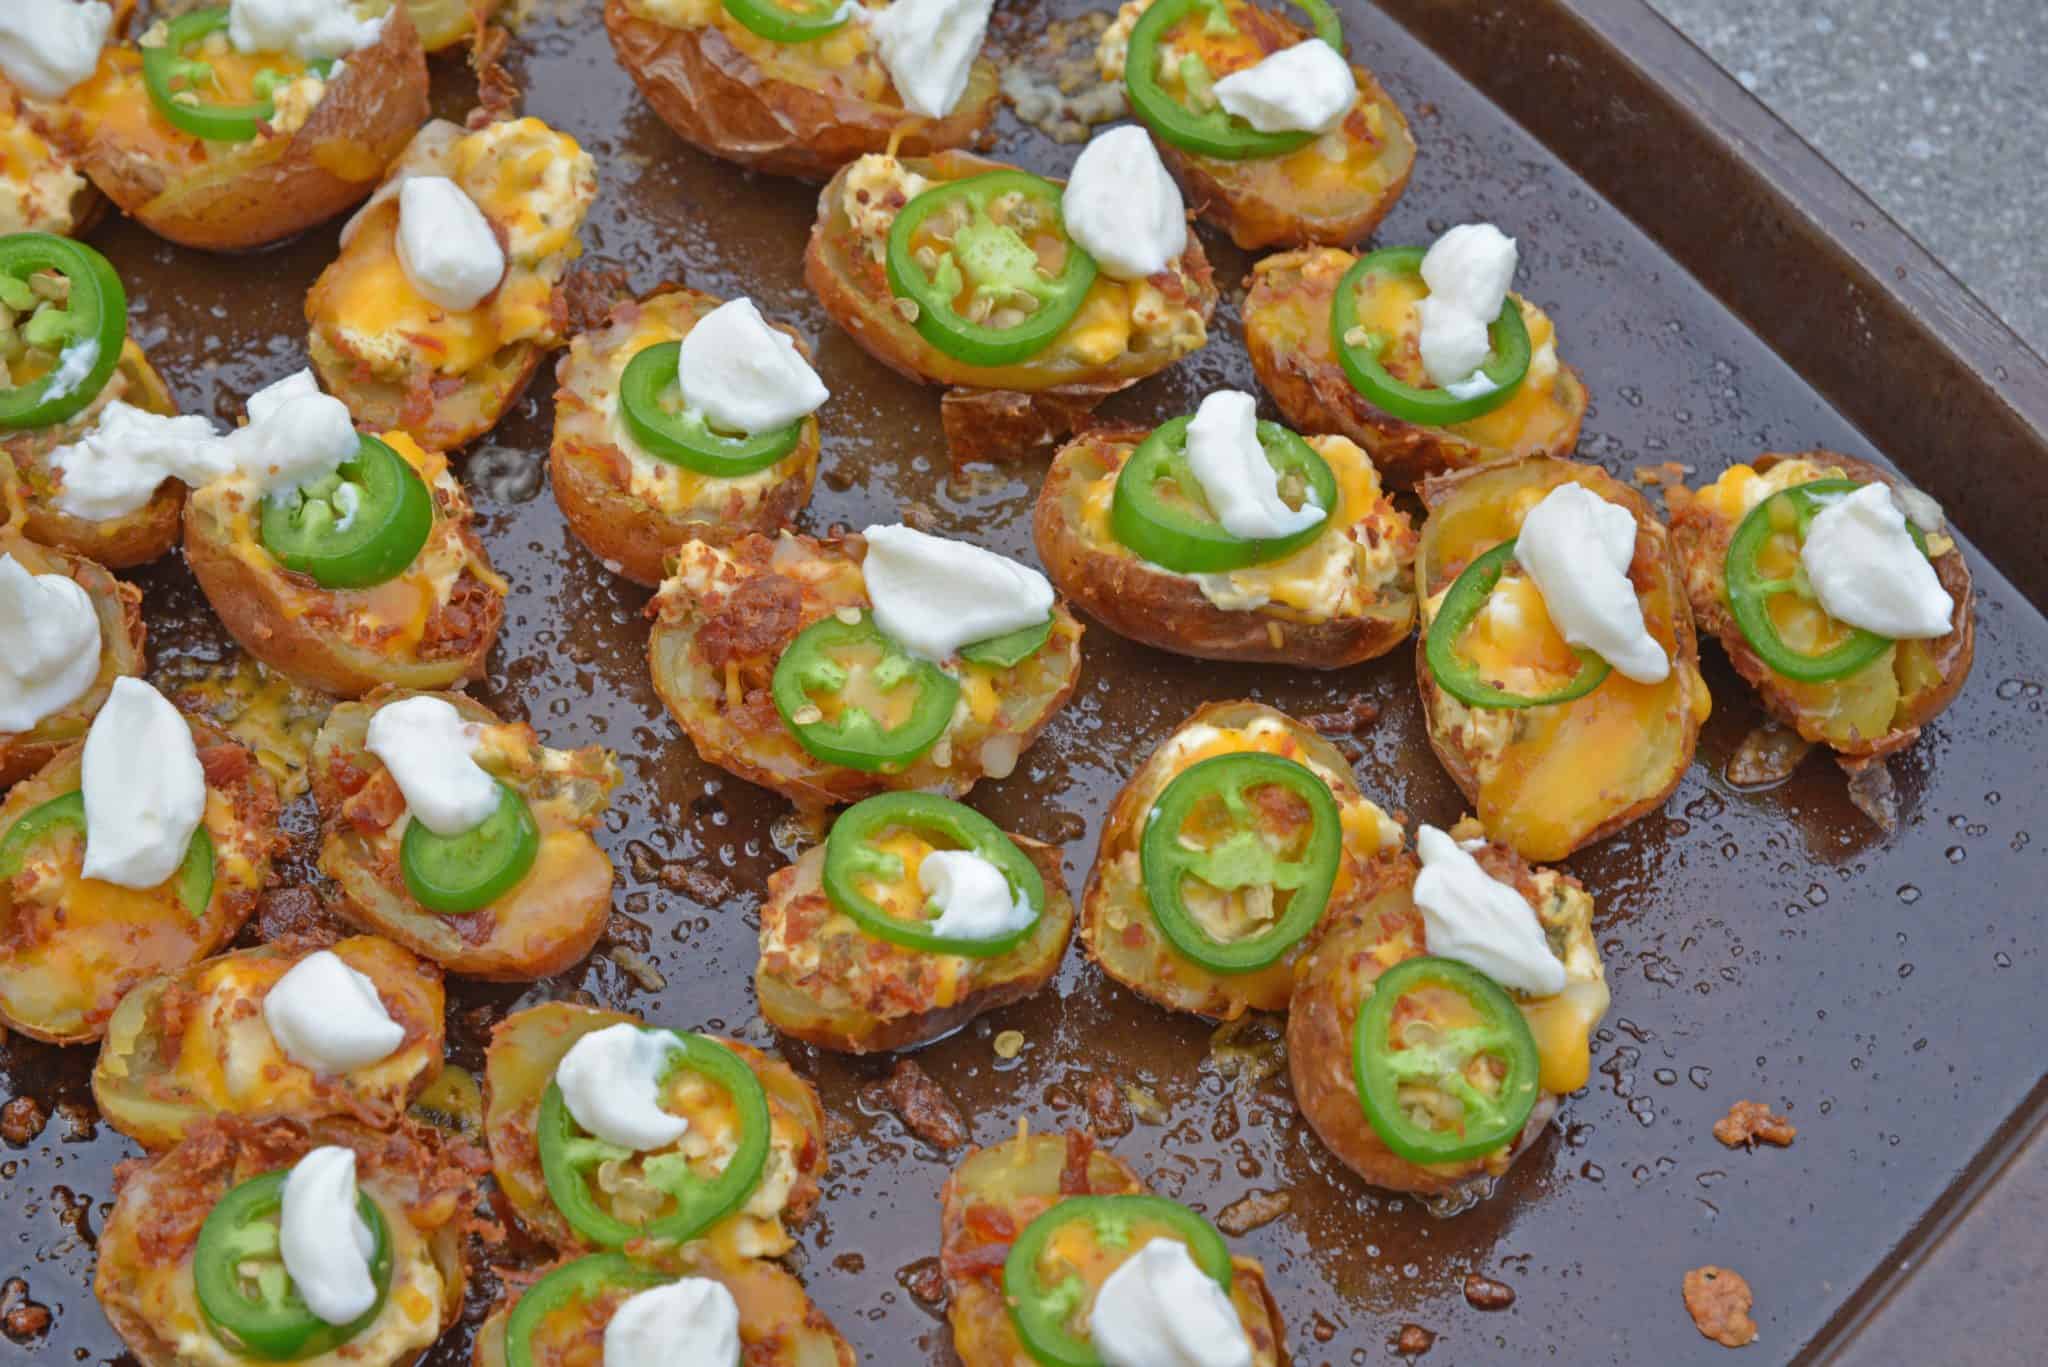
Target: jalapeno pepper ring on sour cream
x: 792, y: 23
x: 567, y: 1154
x: 987, y: 261
x: 169, y: 73
x: 585, y: 1279
x: 1215, y: 132
x: 813, y: 667
x: 1459, y: 676
x: 453, y: 874
x: 261, y: 1312
x: 1042, y: 1314
x: 359, y: 527
x: 93, y: 313
x: 853, y: 856
x: 1242, y: 858
x: 1158, y: 509
x: 686, y: 439
x: 1361, y: 353
x: 193, y: 880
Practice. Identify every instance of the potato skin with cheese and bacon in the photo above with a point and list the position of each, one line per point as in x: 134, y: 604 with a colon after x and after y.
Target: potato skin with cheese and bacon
x: 118, y: 606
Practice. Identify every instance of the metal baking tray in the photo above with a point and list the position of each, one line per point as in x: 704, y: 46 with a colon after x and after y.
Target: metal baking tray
x: 1724, y: 292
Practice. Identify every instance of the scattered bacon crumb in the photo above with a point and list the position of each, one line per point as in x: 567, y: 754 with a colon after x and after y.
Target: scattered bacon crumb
x: 1718, y: 1301
x: 1749, y: 1121
x: 1663, y: 476
x: 1413, y: 1341
x: 926, y: 1110
x: 1107, y: 1109
x: 1252, y: 1210
x: 22, y: 1119
x: 1353, y: 717
x: 497, y: 92
x: 1484, y: 1293
x: 592, y: 293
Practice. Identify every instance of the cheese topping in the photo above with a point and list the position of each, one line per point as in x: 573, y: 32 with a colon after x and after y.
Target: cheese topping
x: 1468, y: 272
x: 309, y: 29
x: 975, y: 901
x: 612, y: 1081
x: 1307, y: 88
x: 929, y: 46
x: 1867, y: 572
x: 933, y: 595
x: 1237, y: 480
x: 325, y: 1245
x: 1122, y: 207
x: 689, y: 1323
x: 38, y: 188
x: 144, y: 789
x: 328, y: 1017
x: 428, y: 748
x: 1158, y: 1309
x: 744, y: 376
x: 446, y: 245
x: 1474, y: 918
x: 1577, y: 547
x: 48, y: 46
x: 49, y: 644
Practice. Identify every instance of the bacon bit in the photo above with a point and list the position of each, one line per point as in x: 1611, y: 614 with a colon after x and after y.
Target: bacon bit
x: 22, y: 1319
x: 1349, y: 720
x: 1108, y: 1112
x: 22, y: 1119
x: 924, y: 1107
x: 925, y: 1280
x: 592, y: 294
x: 1413, y: 1341
x: 1484, y: 1293
x: 1662, y: 476
x: 1074, y: 1173
x: 1767, y: 755
x: 1252, y: 1210
x: 1749, y: 1121
x: 497, y: 93
x: 1718, y: 1301
x: 224, y: 765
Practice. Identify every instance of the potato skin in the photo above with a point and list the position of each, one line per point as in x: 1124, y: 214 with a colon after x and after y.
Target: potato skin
x: 592, y: 477
x: 1287, y: 335
x: 119, y: 608
x: 1702, y: 536
x: 268, y: 191
x: 718, y: 98
x: 21, y: 126
x: 825, y: 1006
x: 444, y: 23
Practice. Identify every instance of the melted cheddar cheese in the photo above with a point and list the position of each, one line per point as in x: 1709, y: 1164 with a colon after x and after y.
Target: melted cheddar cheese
x: 115, y: 104
x: 38, y: 186
x: 844, y: 62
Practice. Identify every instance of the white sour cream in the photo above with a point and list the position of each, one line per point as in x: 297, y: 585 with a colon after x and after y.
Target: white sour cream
x: 144, y: 789
x: 1238, y: 481
x: 743, y: 375
x: 611, y: 1080
x: 1123, y: 208
x: 1468, y: 271
x: 328, y: 1017
x: 48, y: 46
x: 445, y: 244
x: 1307, y: 88
x: 1472, y: 917
x: 49, y: 644
x: 427, y: 746
x: 933, y: 595
x: 929, y: 47
x: 689, y: 1323
x: 310, y: 29
x: 975, y: 901
x: 1867, y: 572
x: 322, y: 1238
x: 1576, y: 547
x: 1158, y: 1309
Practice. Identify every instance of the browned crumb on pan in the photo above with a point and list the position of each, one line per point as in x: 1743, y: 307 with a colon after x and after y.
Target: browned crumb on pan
x: 1358, y: 713
x: 497, y: 90
x: 1251, y: 1210
x: 1412, y: 1341
x: 1718, y: 1301
x: 1662, y: 476
x: 1749, y: 1121
x: 22, y: 1119
x: 1484, y: 1293
x: 1108, y: 1112
x: 926, y: 1110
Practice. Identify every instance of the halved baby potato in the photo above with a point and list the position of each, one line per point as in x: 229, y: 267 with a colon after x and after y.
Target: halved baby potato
x: 194, y: 1044
x: 71, y: 947
x: 424, y: 1187
x: 1881, y: 707
x: 630, y: 507
x: 1118, y: 923
x: 1385, y: 928
x: 1547, y: 780
x: 791, y: 109
x: 119, y: 608
x: 996, y: 1192
x: 546, y: 923
x: 1344, y: 598
x: 727, y: 613
x: 519, y: 1066
x: 1287, y: 333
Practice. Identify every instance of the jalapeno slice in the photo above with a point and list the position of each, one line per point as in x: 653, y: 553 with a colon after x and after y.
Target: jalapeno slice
x: 1209, y: 130
x: 178, y: 83
x: 1360, y: 352
x: 452, y: 874
x: 1394, y: 1049
x: 792, y: 23
x: 1459, y: 676
x: 969, y: 252
x: 193, y: 881
x: 1159, y: 511
x: 66, y: 302
x: 359, y: 527
x: 650, y: 402
x: 1010, y: 649
x: 1750, y: 592
x: 585, y: 1279
x: 858, y: 671
x: 855, y: 859
x: 1205, y: 828
x: 244, y: 1291
x: 1047, y: 1296
x: 567, y: 1156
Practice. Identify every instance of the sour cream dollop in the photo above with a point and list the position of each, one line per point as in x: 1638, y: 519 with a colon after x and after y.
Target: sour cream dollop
x: 322, y: 1238
x: 1867, y: 572
x: 974, y: 899
x: 1122, y: 206
x: 1158, y: 1309
x: 929, y: 47
x: 48, y: 46
x: 445, y: 244
x: 1576, y: 547
x: 1468, y: 271
x: 328, y: 1017
x: 611, y: 1080
x: 428, y: 748
x: 933, y: 595
x: 310, y: 29
x: 1470, y: 916
x: 693, y: 1322
x: 49, y: 644
x: 743, y: 375
x: 1307, y: 88
x: 1240, y: 484
x: 145, y: 791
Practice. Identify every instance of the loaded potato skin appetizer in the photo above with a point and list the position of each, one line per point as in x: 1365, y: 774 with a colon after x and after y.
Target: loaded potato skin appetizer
x: 1278, y: 142
x: 785, y: 661
x: 448, y: 288
x: 291, y: 1028
x: 1863, y: 688
x: 1479, y: 943
x: 233, y: 1247
x: 1053, y: 1251
x: 1426, y: 377
x: 802, y: 89
x: 64, y: 648
x: 700, y: 1138
x: 461, y: 836
x: 635, y: 475
x: 1555, y: 743
x: 1129, y: 531
x: 131, y: 854
x: 1224, y: 857
x: 855, y: 959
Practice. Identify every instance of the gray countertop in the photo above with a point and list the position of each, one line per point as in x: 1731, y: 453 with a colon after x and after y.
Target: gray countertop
x: 1937, y: 108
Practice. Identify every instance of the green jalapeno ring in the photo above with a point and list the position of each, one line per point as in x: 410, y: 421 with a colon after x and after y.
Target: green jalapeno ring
x: 1180, y: 534
x: 1010, y: 649
x: 1040, y: 1313
x: 686, y: 439
x: 1507, y: 363
x: 995, y: 260
x: 274, y: 1324
x: 166, y: 65
x: 1242, y: 860
x: 584, y: 1279
x: 93, y: 314
x: 566, y: 1153
x: 1213, y: 132
x: 388, y: 524
x: 856, y: 740
x: 193, y: 881
x: 1458, y: 676
x: 785, y: 24
x: 1749, y: 594
x: 453, y: 874
x: 850, y: 856
x: 1378, y: 1070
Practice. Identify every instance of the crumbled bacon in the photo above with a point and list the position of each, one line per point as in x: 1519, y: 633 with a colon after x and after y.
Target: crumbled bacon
x: 1718, y: 1301
x: 755, y: 619
x: 1749, y: 1121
